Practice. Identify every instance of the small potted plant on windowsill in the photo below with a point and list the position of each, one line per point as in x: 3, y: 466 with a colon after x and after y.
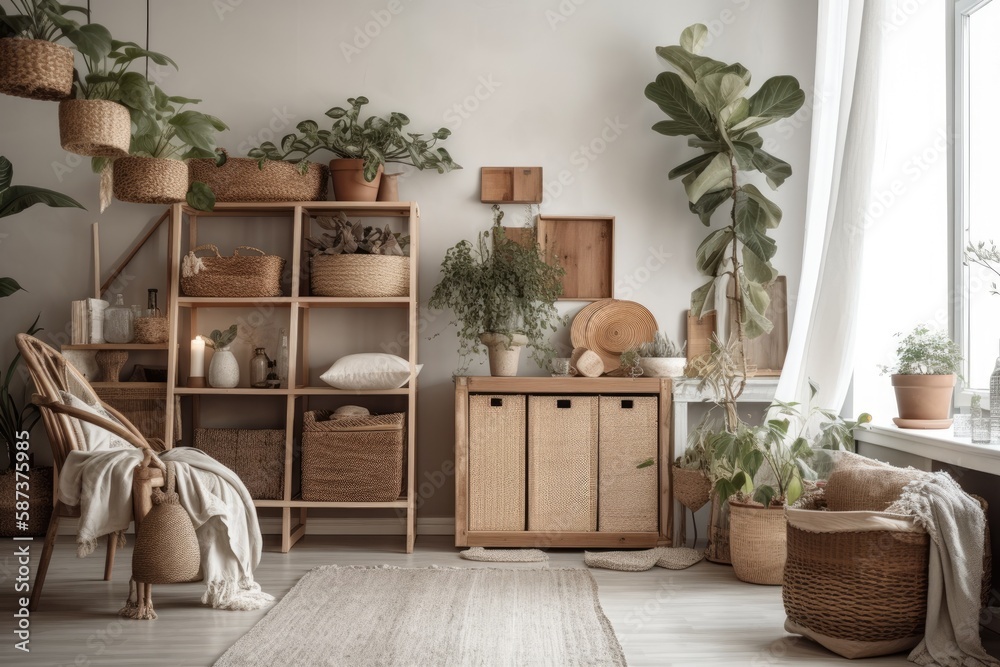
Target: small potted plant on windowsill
x: 661, y: 358
x: 350, y: 260
x: 923, y: 377
x: 502, y: 295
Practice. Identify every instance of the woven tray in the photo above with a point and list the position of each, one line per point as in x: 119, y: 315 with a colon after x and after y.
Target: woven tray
x: 562, y: 463
x: 356, y: 459
x: 497, y: 447
x: 257, y: 456
x: 146, y: 407
x: 628, y: 436
x: 360, y: 275
x: 236, y: 276
x: 241, y: 180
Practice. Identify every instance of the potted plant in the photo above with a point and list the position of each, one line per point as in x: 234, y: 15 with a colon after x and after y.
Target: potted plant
x: 502, y: 295
x: 224, y: 370
x: 32, y: 65
x: 165, y: 135
x: 923, y: 378
x: 362, y: 147
x: 661, y: 358
x: 350, y: 260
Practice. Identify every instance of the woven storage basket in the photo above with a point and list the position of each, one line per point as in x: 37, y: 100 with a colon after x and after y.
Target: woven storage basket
x: 497, y: 446
x: 241, y: 180
x: 144, y: 406
x: 757, y: 543
x: 628, y: 435
x: 95, y: 128
x: 149, y: 330
x: 35, y: 68
x: 356, y: 459
x: 257, y: 456
x: 148, y: 180
x: 691, y: 487
x: 39, y: 503
x: 562, y: 463
x: 236, y: 276
x: 360, y: 275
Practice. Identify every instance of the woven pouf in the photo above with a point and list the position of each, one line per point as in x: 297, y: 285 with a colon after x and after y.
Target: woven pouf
x: 35, y: 68
x: 111, y: 363
x: 504, y: 555
x: 757, y: 543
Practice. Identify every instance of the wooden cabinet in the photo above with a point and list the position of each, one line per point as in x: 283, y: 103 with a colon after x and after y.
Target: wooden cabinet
x: 554, y: 462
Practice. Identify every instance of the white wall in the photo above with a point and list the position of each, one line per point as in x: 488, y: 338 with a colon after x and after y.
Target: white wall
x: 519, y: 83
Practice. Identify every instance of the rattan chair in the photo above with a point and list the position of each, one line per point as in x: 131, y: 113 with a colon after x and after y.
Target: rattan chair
x: 51, y: 374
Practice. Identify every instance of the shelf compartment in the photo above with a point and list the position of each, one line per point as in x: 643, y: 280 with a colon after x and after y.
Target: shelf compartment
x: 330, y: 391
x: 277, y: 209
x: 235, y: 391
x: 232, y: 302
x: 128, y: 347
x: 400, y: 502
x: 354, y: 302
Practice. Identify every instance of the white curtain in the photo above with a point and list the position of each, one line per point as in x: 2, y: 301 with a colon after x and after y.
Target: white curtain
x: 842, y: 156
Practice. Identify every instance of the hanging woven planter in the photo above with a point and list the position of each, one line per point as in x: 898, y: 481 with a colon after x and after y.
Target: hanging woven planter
x: 35, y: 68
x: 691, y: 487
x: 241, y: 180
x: 94, y: 128
x: 148, y: 180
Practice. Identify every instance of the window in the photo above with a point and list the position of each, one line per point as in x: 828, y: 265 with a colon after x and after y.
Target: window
x: 977, y: 145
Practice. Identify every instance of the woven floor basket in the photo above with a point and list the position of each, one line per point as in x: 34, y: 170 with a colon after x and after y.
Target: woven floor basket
x: 147, y: 180
x: 240, y: 180
x: 358, y: 459
x: 146, y: 407
x: 497, y: 446
x: 628, y: 495
x: 360, y: 276
x: 39, y: 504
x: 757, y: 543
x: 95, y: 128
x: 257, y: 456
x: 691, y: 487
x: 36, y: 69
x: 236, y: 276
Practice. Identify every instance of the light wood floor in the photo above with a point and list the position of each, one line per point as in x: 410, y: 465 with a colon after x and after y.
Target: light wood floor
x: 699, y: 616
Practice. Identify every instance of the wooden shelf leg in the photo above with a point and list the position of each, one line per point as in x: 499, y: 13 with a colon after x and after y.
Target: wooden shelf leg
x: 286, y: 529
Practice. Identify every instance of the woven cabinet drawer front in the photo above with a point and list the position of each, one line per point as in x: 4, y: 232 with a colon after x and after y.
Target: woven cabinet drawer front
x: 562, y: 463
x: 629, y: 495
x: 497, y: 450
x: 257, y: 456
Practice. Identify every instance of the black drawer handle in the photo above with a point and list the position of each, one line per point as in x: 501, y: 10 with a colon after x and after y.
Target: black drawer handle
x: 564, y: 403
x: 496, y: 402
x: 627, y: 404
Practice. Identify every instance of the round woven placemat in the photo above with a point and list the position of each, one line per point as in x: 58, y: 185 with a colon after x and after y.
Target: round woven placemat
x: 618, y: 326
x: 578, y: 331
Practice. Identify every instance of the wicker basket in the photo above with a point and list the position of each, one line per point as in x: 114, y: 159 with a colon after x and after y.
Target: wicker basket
x: 149, y: 180
x: 39, y: 503
x: 691, y: 487
x: 241, y: 180
x: 236, y: 276
x: 144, y: 406
x: 150, y: 330
x: 497, y: 448
x: 257, y: 456
x: 757, y: 543
x: 360, y: 275
x: 35, y: 68
x: 356, y: 459
x: 562, y: 463
x: 629, y: 496
x: 95, y: 128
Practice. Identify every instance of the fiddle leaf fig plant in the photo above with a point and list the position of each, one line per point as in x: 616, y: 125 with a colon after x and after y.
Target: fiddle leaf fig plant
x: 710, y: 103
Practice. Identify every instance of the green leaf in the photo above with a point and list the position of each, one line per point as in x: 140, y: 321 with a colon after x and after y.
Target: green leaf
x: 705, y: 207
x: 772, y: 214
x: 755, y: 303
x: 92, y: 40
x: 778, y: 97
x: 19, y: 197
x: 691, y: 165
x: 776, y: 170
x: 676, y: 100
x: 694, y: 37
x: 757, y: 269
x: 9, y: 286
x: 735, y: 112
x: 703, y: 299
x: 750, y: 228
x: 690, y: 67
x: 200, y: 196
x: 6, y: 173
x: 753, y: 459
x: 764, y: 494
x: 713, y: 252
x: 749, y: 123
x: 717, y: 90
x: 195, y: 129
x: 718, y: 175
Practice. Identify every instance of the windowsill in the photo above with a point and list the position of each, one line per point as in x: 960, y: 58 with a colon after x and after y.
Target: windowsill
x: 936, y: 445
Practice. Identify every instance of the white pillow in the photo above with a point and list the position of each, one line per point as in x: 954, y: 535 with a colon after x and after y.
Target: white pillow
x: 372, y: 371
x: 91, y: 436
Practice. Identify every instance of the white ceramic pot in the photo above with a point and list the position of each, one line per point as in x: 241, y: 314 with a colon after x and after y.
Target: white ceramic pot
x: 224, y: 371
x: 504, y: 352
x: 662, y: 367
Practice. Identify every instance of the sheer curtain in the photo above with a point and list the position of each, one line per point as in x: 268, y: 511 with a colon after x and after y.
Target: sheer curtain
x: 842, y: 157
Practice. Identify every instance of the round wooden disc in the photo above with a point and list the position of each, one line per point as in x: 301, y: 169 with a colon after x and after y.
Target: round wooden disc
x: 578, y: 331
x: 618, y: 326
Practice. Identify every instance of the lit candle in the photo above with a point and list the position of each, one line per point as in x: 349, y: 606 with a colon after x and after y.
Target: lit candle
x: 197, y: 358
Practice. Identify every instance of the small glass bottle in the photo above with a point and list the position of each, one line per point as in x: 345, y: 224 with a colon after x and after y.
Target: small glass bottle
x: 995, y: 404
x: 273, y: 382
x: 258, y: 369
x: 119, y: 326
x: 980, y: 422
x: 283, y: 359
x: 152, y: 310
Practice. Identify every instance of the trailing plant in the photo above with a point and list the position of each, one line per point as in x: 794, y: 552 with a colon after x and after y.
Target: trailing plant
x: 496, y: 285
x: 986, y: 256
x: 661, y: 347
x: 353, y: 238
x: 17, y: 415
x: 220, y: 339
x: 925, y: 352
x: 708, y: 102
x: 375, y: 140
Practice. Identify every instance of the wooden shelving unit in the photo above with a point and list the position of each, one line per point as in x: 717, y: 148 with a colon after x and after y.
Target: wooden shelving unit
x: 299, y: 304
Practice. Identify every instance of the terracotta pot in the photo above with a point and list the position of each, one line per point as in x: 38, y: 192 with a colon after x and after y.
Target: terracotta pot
x: 504, y: 352
x: 35, y: 68
x: 923, y: 397
x: 94, y: 128
x: 758, y: 543
x: 349, y: 182
x: 662, y: 367
x: 388, y: 189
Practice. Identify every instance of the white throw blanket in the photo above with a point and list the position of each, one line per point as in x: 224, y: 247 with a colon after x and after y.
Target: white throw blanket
x: 955, y: 523
x: 220, y: 508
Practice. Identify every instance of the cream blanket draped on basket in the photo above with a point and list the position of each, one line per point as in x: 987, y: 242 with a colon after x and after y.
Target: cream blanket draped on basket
x: 220, y: 508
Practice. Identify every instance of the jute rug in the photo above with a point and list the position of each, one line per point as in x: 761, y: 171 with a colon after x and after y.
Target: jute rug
x: 456, y: 616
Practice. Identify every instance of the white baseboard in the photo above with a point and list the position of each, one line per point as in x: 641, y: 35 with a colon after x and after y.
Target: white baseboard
x: 271, y: 525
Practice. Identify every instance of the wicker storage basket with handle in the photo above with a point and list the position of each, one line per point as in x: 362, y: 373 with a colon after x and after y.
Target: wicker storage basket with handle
x: 236, y: 276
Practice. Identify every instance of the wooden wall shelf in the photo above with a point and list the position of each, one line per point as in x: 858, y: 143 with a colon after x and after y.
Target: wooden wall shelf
x: 511, y: 185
